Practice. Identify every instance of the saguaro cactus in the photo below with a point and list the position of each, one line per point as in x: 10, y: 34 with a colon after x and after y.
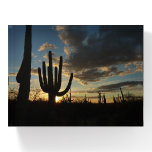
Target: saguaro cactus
x: 99, y: 97
x: 104, y: 98
x: 24, y: 74
x: 50, y: 87
x: 122, y: 96
x: 114, y: 99
x: 70, y: 96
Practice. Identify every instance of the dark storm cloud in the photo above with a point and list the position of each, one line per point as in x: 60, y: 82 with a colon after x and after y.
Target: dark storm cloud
x: 111, y: 87
x: 94, y: 74
x: 117, y: 86
x: 107, y: 46
x: 72, y: 35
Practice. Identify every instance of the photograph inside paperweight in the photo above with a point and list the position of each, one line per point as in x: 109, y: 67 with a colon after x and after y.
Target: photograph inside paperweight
x: 72, y: 75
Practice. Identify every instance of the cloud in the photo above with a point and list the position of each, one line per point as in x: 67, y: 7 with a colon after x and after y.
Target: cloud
x: 46, y: 46
x: 34, y: 71
x: 139, y: 67
x: 12, y: 83
x: 110, y: 87
x: 95, y: 74
x: 46, y: 56
x: 117, y: 86
x: 35, y: 56
x: 66, y: 50
x: 12, y: 74
x: 72, y: 35
x: 60, y: 27
x: 90, y: 49
x: 54, y: 59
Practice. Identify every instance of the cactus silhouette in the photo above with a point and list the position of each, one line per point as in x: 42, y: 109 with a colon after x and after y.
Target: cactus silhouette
x: 24, y: 74
x: 99, y: 97
x: 114, y: 99
x: 104, y: 99
x: 50, y: 87
x: 118, y: 98
x: 122, y: 96
x: 70, y: 96
x: 67, y: 98
x: 85, y: 99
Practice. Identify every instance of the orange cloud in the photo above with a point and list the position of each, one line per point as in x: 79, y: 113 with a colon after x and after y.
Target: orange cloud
x: 12, y: 74
x: 34, y: 71
x: 46, y: 46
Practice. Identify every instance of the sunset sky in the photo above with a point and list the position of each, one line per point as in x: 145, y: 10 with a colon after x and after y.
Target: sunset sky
x: 101, y: 58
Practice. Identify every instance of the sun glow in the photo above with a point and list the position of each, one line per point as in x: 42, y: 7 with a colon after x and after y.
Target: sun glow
x: 58, y: 99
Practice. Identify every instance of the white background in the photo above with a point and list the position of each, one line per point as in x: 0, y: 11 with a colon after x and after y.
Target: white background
x: 21, y: 139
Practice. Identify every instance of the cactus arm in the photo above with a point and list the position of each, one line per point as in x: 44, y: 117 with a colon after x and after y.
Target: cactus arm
x: 67, y: 88
x: 60, y: 74
x: 122, y: 94
x: 44, y: 74
x: 41, y: 82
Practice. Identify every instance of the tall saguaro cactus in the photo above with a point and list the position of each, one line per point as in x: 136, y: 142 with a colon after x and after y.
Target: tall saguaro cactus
x: 50, y: 87
x: 24, y: 74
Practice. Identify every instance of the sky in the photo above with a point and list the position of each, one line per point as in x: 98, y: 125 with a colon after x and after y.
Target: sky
x: 102, y: 58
